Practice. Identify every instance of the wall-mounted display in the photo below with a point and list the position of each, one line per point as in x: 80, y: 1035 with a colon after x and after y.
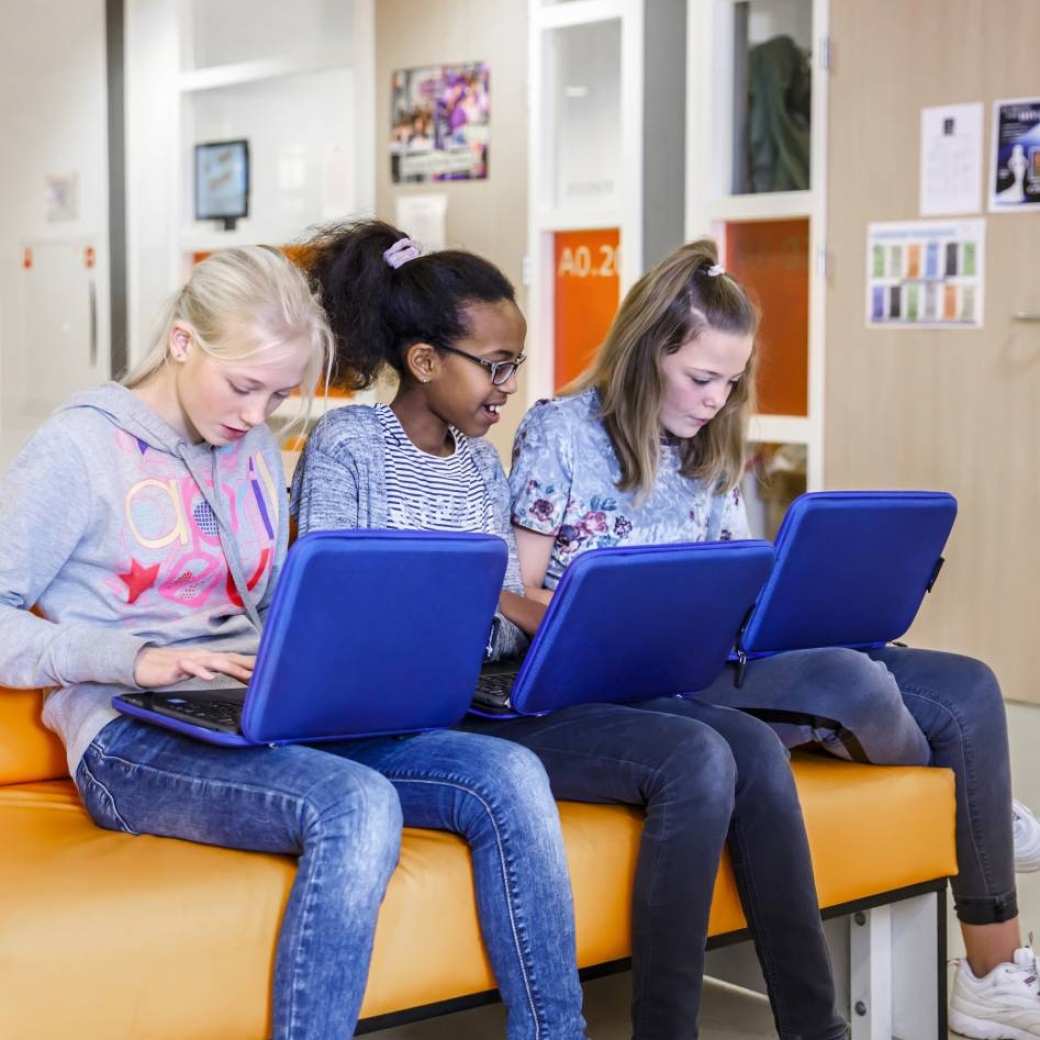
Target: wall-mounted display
x: 1015, y: 177
x: 926, y: 274
x: 222, y: 181
x: 440, y: 119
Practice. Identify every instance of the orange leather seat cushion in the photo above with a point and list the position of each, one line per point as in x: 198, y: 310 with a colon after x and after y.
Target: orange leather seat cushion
x: 28, y: 750
x: 110, y: 937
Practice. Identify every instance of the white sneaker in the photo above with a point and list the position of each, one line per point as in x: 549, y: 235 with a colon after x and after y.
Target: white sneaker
x: 1003, y: 1005
x: 1027, y: 839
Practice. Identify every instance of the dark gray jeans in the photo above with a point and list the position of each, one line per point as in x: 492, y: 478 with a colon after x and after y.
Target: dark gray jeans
x: 899, y: 706
x: 703, y: 774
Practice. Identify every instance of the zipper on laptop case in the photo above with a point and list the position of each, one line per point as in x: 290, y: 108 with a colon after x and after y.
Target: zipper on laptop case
x: 742, y: 657
x: 741, y: 668
x: 935, y: 574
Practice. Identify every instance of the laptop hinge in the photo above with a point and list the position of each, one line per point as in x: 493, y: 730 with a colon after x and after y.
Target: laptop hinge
x: 935, y: 574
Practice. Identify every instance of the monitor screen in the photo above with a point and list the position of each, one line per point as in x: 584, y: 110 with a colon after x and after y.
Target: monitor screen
x: 222, y: 181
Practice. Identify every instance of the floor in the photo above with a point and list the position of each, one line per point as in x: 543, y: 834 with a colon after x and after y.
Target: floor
x: 729, y: 1013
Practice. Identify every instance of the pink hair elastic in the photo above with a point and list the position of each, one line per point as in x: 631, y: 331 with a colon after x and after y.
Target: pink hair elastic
x: 403, y: 250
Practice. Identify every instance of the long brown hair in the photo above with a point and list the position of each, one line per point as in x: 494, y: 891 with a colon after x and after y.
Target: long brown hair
x: 670, y: 305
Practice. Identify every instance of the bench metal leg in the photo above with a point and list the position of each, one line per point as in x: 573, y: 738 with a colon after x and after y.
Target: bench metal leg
x: 889, y: 968
x: 897, y: 970
x: 870, y: 974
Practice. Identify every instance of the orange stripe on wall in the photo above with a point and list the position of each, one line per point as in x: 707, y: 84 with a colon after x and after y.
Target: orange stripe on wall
x: 585, y: 298
x: 771, y: 258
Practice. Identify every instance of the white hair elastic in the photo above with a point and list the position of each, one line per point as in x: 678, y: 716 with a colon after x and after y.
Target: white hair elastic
x: 715, y: 270
x: 403, y: 250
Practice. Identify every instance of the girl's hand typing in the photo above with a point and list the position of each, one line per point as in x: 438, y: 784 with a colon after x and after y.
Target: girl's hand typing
x: 161, y: 666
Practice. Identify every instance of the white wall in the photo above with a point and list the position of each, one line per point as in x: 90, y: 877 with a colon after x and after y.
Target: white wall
x: 309, y: 127
x: 54, y: 121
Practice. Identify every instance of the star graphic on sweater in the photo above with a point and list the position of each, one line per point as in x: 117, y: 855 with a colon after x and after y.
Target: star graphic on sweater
x: 138, y: 579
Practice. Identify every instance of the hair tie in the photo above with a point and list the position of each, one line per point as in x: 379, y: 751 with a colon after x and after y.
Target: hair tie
x: 403, y: 250
x: 714, y: 271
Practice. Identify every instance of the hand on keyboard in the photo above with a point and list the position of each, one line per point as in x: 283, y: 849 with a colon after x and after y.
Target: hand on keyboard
x: 161, y: 666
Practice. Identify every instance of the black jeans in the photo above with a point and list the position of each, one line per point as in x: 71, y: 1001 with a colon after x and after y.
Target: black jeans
x: 905, y: 706
x: 703, y: 774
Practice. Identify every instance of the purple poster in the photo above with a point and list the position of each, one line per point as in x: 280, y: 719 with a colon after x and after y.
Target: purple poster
x: 440, y: 123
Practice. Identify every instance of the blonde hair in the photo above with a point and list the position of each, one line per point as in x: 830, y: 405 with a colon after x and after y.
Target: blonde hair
x: 240, y: 302
x: 670, y: 305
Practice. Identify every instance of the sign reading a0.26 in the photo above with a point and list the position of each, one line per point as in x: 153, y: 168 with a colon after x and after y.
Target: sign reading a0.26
x: 589, y: 260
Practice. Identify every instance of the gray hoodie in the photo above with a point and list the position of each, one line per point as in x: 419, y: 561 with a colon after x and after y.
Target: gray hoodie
x: 122, y: 534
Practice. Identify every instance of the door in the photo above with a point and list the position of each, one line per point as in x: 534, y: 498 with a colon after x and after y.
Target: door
x: 54, y: 303
x: 949, y: 409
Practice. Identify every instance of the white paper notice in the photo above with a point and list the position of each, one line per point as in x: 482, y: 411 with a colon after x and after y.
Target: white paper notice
x: 951, y: 159
x: 424, y: 218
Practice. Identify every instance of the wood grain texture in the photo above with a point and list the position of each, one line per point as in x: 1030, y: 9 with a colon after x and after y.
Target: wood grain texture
x: 957, y: 410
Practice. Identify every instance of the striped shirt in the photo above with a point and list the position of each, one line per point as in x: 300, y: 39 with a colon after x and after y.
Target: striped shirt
x: 427, y: 492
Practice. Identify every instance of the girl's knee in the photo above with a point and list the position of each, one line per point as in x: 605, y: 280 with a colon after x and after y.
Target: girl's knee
x: 857, y: 690
x: 359, y: 802
x: 507, y: 774
x: 696, y: 761
x: 972, y: 690
x: 977, y: 682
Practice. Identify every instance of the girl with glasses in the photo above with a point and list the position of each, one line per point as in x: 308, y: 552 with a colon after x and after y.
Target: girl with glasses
x: 448, y: 325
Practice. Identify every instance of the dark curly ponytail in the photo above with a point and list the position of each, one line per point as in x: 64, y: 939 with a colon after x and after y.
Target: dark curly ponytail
x: 378, y: 311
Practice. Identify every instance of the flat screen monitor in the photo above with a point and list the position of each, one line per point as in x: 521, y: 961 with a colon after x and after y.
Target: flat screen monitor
x: 222, y: 181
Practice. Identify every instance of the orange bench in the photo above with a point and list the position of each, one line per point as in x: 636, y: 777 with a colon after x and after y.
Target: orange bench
x: 104, y: 936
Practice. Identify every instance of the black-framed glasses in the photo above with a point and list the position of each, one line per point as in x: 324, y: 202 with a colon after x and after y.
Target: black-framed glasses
x: 500, y: 371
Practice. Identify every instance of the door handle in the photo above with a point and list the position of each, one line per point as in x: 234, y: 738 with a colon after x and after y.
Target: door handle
x: 1026, y: 316
x: 92, y: 289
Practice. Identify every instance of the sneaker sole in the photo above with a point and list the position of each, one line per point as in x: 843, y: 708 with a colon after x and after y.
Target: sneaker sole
x: 979, y: 1029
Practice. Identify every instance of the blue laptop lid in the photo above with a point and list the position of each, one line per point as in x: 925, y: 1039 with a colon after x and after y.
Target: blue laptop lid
x: 630, y: 623
x: 851, y: 569
x: 373, y: 632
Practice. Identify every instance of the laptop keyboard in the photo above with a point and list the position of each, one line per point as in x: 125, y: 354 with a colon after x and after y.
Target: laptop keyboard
x: 202, y: 711
x: 494, y: 689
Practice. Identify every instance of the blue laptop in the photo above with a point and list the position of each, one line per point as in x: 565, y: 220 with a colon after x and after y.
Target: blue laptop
x: 369, y: 632
x: 852, y: 568
x: 631, y: 623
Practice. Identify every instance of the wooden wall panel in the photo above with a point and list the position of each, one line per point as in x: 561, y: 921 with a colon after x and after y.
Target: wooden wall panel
x: 958, y: 410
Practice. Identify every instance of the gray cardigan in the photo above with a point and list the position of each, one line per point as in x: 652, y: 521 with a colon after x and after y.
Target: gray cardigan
x: 340, y: 483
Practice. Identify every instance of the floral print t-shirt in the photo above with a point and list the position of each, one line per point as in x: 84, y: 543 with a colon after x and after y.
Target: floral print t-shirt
x: 564, y: 483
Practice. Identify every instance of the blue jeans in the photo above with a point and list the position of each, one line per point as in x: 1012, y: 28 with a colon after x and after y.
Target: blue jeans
x: 343, y: 822
x: 900, y: 706
x: 496, y: 795
x: 703, y: 774
x: 310, y: 801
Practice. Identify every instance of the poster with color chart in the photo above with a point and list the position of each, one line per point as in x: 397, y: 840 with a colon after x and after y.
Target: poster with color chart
x: 1015, y: 176
x: 926, y: 274
x: 440, y: 123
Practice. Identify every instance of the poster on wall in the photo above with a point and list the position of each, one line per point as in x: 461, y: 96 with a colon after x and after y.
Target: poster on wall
x: 926, y: 274
x: 62, y: 197
x: 440, y: 119
x: 951, y: 159
x: 423, y: 218
x: 1015, y: 177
